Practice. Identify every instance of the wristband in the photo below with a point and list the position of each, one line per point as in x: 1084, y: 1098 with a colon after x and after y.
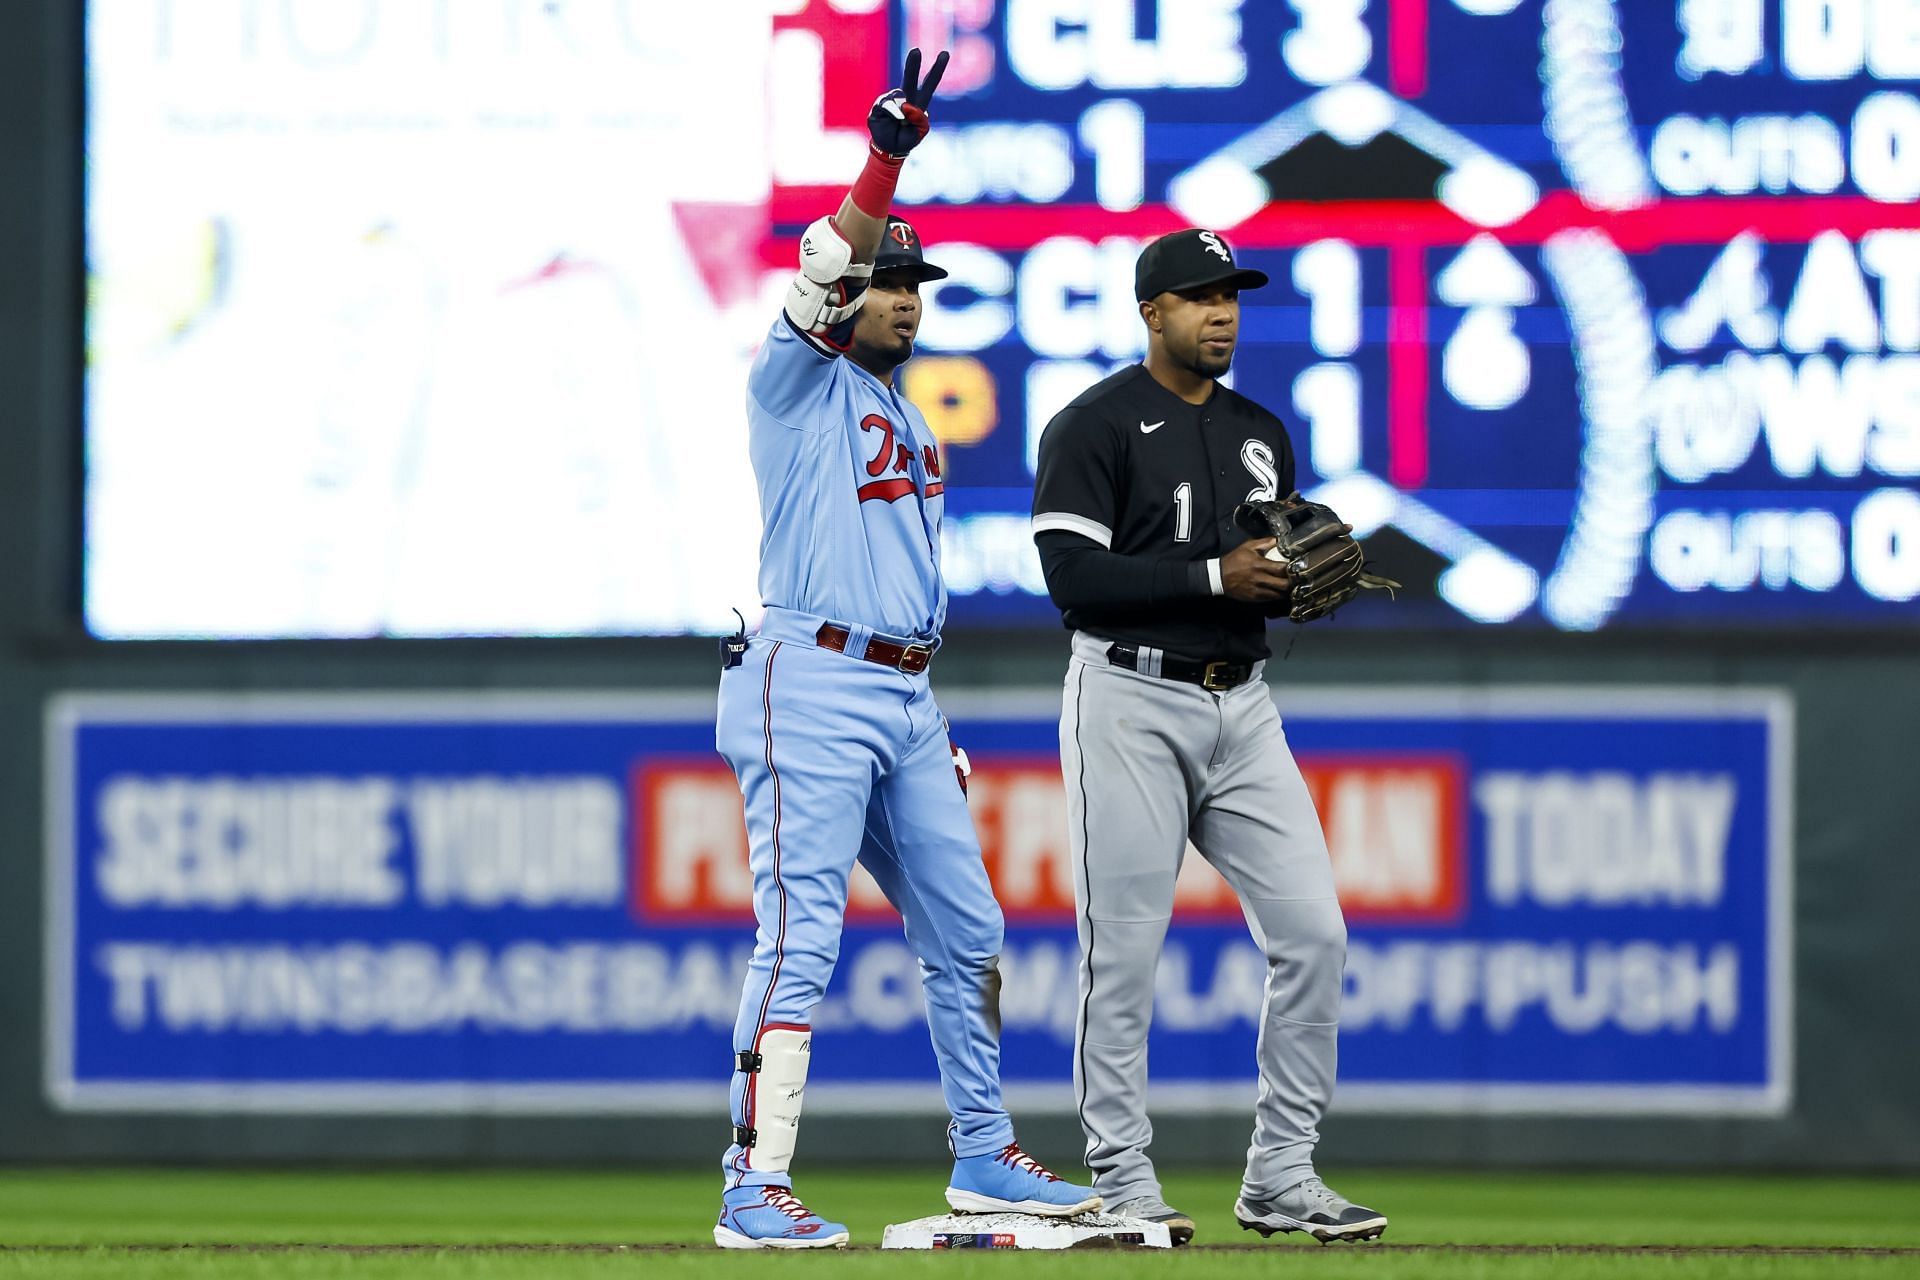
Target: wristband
x: 872, y: 192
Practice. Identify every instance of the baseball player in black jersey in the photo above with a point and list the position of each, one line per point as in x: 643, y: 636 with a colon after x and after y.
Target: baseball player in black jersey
x: 1167, y: 734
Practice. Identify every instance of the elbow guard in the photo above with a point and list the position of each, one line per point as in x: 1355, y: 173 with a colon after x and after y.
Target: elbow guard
x: 825, y: 254
x: 830, y: 286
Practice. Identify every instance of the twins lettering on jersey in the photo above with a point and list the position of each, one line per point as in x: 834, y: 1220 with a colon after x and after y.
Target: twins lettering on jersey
x: 896, y: 457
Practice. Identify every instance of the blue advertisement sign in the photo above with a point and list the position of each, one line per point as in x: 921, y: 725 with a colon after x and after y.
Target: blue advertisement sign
x: 1559, y: 900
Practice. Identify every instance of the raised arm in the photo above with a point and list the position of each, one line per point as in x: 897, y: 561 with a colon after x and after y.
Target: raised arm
x: 896, y: 124
x: 836, y: 254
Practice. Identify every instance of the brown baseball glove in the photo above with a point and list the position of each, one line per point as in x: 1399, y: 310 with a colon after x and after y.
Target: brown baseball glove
x: 1327, y: 565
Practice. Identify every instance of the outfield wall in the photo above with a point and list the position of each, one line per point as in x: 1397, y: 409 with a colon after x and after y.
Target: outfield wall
x: 1849, y: 1098
x: 1840, y: 1091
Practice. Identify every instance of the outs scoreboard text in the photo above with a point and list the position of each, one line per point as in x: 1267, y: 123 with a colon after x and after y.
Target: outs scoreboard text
x: 1585, y: 313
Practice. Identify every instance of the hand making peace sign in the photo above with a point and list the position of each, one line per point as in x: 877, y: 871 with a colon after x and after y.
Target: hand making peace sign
x: 899, y: 117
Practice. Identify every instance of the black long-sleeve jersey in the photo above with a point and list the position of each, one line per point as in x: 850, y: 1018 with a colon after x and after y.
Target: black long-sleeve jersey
x: 1133, y: 508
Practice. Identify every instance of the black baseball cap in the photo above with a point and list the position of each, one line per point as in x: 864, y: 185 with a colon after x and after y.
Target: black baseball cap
x: 1188, y: 259
x: 900, y: 251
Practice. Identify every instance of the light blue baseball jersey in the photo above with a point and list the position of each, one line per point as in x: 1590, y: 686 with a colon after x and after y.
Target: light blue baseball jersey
x: 840, y: 759
x: 850, y: 490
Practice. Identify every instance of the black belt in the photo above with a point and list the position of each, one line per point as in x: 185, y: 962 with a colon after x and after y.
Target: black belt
x: 1217, y: 676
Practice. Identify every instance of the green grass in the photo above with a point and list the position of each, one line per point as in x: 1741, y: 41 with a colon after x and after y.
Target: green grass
x: 83, y: 1223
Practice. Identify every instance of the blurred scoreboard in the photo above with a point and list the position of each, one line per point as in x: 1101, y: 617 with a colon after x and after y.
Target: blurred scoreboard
x: 435, y: 319
x: 1585, y: 313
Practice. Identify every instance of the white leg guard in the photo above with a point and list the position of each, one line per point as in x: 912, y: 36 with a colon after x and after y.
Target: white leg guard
x: 776, y: 1085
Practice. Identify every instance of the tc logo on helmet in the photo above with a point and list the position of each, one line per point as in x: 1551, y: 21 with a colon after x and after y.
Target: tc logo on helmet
x: 902, y: 233
x: 1215, y: 245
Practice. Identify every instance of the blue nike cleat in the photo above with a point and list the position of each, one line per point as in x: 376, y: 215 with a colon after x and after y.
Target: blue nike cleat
x: 1011, y: 1181
x: 773, y: 1218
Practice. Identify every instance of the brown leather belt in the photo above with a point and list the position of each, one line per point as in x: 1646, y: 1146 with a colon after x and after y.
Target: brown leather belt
x: 910, y: 658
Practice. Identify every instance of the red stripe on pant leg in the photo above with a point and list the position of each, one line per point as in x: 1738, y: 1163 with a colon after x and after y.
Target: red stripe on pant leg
x: 780, y: 932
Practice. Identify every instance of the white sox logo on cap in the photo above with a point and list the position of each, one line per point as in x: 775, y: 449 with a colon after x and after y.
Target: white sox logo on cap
x: 1215, y: 245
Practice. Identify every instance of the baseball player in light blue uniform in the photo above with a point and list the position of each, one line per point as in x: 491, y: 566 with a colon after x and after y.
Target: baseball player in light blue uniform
x: 828, y: 721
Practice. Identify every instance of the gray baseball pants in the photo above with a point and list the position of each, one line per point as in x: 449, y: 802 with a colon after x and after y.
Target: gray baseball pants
x: 1150, y: 763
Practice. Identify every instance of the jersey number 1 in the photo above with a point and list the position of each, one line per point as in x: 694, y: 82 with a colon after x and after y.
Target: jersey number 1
x: 1183, y: 513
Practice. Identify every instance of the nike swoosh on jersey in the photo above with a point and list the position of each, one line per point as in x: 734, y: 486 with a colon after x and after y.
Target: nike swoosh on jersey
x: 1147, y: 429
